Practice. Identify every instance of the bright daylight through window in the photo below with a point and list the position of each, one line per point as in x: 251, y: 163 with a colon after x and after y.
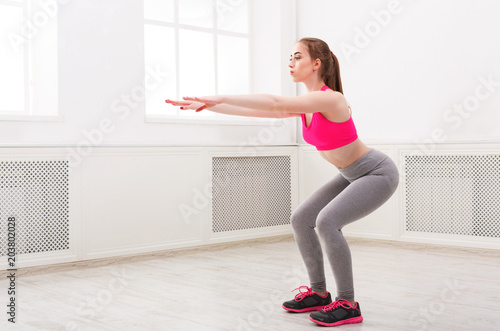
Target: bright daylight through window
x: 200, y: 47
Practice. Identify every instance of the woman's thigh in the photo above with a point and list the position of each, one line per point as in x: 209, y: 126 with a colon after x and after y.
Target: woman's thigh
x: 308, y: 210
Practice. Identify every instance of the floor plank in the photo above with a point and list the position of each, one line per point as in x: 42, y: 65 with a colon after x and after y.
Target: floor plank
x: 399, y: 287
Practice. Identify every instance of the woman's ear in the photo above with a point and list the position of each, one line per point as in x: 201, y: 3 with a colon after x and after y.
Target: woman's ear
x: 316, y: 64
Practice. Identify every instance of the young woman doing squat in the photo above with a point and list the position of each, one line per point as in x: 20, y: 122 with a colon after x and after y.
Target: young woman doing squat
x: 367, y: 178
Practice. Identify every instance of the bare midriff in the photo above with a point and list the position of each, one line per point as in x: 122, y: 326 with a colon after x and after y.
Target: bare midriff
x: 346, y: 155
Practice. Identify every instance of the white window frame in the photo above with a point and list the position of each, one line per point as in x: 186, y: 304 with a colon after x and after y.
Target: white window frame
x: 24, y: 5
x: 217, y: 119
x: 27, y: 114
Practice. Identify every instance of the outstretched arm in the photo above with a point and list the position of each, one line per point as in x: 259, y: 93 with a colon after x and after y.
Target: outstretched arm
x: 228, y: 109
x: 313, y: 102
x: 241, y: 111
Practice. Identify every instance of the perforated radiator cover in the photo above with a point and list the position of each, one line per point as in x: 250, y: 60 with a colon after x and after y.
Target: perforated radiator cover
x: 250, y: 192
x: 36, y: 194
x: 453, y: 194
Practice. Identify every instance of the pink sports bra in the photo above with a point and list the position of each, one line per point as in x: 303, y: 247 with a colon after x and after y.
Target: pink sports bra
x: 327, y: 135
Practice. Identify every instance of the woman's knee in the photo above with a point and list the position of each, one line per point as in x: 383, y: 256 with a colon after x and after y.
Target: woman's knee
x: 327, y: 222
x: 323, y: 223
x: 301, y: 218
x: 329, y: 230
x: 296, y: 219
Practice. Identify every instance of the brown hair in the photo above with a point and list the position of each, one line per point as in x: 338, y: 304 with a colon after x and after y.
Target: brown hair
x: 330, y: 70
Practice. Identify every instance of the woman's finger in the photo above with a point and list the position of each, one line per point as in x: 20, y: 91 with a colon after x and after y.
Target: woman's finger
x: 172, y: 101
x: 201, y: 108
x: 192, y: 98
x: 199, y: 99
x: 178, y: 103
x: 190, y: 103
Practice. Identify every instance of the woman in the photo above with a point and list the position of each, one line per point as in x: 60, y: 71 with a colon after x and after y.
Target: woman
x: 367, y: 177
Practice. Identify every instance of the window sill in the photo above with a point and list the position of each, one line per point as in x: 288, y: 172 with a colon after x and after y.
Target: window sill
x: 209, y: 121
x: 31, y: 118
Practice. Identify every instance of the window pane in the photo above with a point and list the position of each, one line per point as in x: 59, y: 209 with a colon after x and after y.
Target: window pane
x: 11, y: 59
x: 196, y: 12
x: 159, y: 45
x: 232, y: 15
x: 197, y: 74
x: 196, y: 68
x: 43, y: 67
x: 160, y: 10
x: 233, y: 63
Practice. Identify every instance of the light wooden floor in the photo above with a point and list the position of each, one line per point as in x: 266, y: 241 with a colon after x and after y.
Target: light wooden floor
x: 399, y: 287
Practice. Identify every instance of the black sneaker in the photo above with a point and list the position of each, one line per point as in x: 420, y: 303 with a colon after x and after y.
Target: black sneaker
x: 337, y: 313
x: 307, y: 301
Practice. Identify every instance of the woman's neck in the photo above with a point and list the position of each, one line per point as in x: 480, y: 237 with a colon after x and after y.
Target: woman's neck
x: 314, y: 86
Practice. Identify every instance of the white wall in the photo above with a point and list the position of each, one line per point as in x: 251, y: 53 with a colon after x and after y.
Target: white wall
x: 129, y: 200
x: 404, y: 76
x: 400, y: 86
x: 101, y: 58
x: 403, y: 81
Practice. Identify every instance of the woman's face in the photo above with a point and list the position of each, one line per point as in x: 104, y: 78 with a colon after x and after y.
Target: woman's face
x: 301, y: 66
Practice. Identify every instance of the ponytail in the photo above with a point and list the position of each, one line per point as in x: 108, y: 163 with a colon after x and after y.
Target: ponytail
x: 330, y: 69
x: 333, y: 80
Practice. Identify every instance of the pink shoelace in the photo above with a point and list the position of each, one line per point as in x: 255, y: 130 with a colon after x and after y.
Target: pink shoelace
x: 301, y: 295
x: 339, y: 303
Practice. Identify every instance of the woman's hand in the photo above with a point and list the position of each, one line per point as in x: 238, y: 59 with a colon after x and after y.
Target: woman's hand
x: 194, y: 105
x: 209, y: 101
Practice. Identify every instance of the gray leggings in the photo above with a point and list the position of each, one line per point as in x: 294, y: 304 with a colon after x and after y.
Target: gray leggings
x: 358, y: 190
